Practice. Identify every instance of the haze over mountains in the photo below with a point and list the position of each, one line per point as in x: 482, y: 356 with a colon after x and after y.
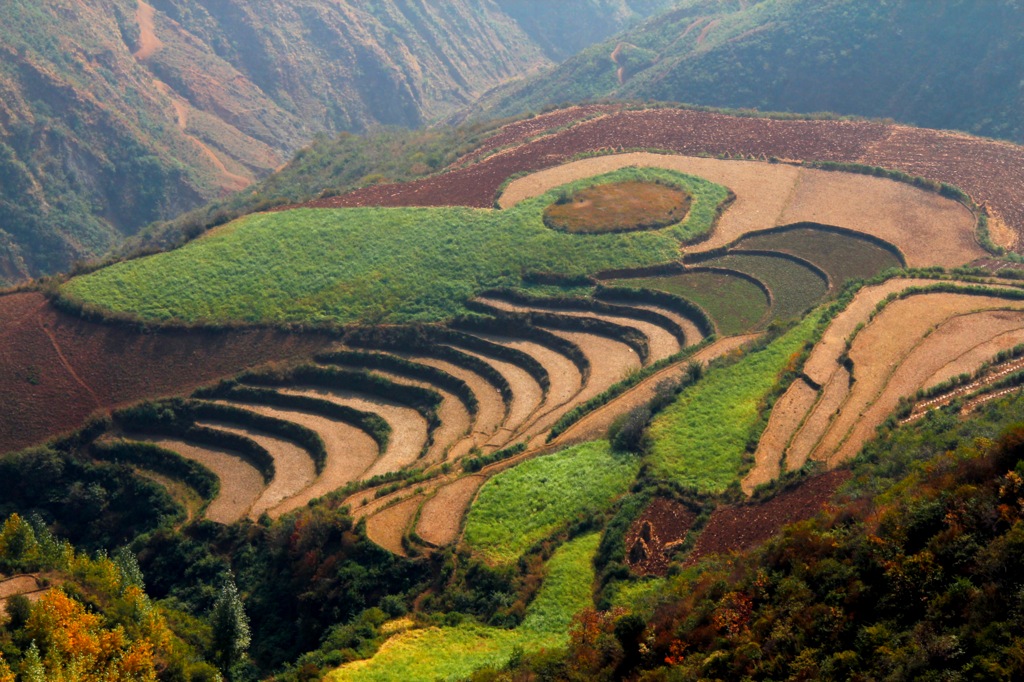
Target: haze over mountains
x: 116, y: 113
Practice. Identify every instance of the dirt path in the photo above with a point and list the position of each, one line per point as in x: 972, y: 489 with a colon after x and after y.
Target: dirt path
x: 927, y: 228
x: 67, y: 364
x: 149, y: 44
x: 293, y: 467
x: 350, y: 452
x: 441, y: 518
x: 240, y: 483
x: 787, y: 414
x: 596, y: 424
x: 884, y: 343
x: 408, y: 427
x: 661, y: 342
x: 387, y: 527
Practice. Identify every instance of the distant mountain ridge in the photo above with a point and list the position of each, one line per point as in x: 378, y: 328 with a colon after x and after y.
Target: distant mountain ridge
x: 940, y: 64
x: 117, y: 113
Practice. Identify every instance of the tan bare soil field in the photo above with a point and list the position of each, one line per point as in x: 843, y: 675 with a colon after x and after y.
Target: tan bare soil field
x: 293, y: 468
x: 387, y: 527
x: 19, y: 584
x: 350, y: 452
x: 885, y: 342
x: 692, y: 333
x: 833, y: 395
x: 408, y: 427
x: 787, y: 414
x: 441, y: 518
x: 240, y: 483
x: 661, y: 342
x: 565, y: 379
x: 949, y: 340
x: 596, y: 424
x: 973, y: 358
x: 490, y: 407
x: 768, y: 195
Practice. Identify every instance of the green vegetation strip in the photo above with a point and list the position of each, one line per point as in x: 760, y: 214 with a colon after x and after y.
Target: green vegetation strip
x: 701, y: 440
x: 162, y: 461
x: 454, y: 653
x: 521, y: 506
x: 375, y: 264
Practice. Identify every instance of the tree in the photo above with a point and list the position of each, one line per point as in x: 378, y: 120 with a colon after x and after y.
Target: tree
x: 230, y: 628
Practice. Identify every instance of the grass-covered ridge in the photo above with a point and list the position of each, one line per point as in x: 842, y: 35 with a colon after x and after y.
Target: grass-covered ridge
x: 701, y: 439
x: 377, y: 265
x: 453, y: 653
x: 524, y: 505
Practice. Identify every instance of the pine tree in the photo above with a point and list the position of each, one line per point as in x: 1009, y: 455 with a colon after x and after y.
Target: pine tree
x: 230, y: 628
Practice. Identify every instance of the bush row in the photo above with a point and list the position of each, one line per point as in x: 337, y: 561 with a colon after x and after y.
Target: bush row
x: 684, y: 307
x: 398, y: 365
x: 617, y: 332
x: 372, y: 424
x: 305, y: 438
x: 474, y: 464
x: 176, y: 418
x: 590, y: 305
x: 162, y: 461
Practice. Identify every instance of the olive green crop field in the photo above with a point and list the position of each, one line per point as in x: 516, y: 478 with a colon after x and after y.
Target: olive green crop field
x: 372, y: 265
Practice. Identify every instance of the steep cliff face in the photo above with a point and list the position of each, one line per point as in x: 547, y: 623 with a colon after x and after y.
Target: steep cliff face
x: 116, y: 113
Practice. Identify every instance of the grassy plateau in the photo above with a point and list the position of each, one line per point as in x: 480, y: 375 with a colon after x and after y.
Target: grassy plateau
x: 372, y: 265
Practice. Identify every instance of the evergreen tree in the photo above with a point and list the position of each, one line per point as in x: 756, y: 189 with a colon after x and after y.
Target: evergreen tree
x: 230, y: 628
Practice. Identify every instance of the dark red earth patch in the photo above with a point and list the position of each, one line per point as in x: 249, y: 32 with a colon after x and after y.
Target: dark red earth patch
x: 56, y: 369
x: 741, y: 527
x: 650, y: 540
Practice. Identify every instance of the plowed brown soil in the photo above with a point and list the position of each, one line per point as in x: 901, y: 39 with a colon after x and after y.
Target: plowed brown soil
x: 441, y: 518
x: 408, y: 427
x: 652, y: 537
x: 350, y: 452
x: 944, y: 156
x: 293, y: 468
x: 738, y: 528
x: 768, y: 195
x: 388, y: 527
x: 240, y: 483
x: 787, y: 414
x: 56, y: 369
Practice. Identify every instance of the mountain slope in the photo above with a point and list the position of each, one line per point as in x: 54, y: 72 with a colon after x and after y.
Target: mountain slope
x: 116, y: 113
x: 943, y: 64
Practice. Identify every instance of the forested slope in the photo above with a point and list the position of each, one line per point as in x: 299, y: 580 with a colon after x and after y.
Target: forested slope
x: 942, y: 64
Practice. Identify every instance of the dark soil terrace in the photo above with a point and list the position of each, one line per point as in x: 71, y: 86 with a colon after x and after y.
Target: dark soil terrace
x: 57, y: 369
x: 992, y: 172
x: 651, y: 538
x: 738, y: 528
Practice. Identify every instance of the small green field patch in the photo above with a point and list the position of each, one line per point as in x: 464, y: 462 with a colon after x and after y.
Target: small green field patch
x: 700, y: 440
x: 794, y: 287
x: 618, y: 207
x: 842, y: 256
x: 454, y: 653
x: 524, y: 505
x: 735, y: 304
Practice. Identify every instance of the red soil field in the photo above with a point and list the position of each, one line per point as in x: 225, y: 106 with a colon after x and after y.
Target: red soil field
x: 651, y: 538
x: 991, y: 172
x: 57, y: 369
x: 737, y: 528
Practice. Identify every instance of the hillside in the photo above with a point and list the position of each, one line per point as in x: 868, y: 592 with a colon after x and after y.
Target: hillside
x: 550, y: 413
x: 118, y: 113
x: 946, y: 64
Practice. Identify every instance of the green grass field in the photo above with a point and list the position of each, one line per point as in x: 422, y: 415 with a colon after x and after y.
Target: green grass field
x: 735, y: 304
x: 700, y: 440
x: 794, y: 288
x: 843, y: 257
x: 453, y: 653
x: 523, y: 505
x: 375, y: 265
